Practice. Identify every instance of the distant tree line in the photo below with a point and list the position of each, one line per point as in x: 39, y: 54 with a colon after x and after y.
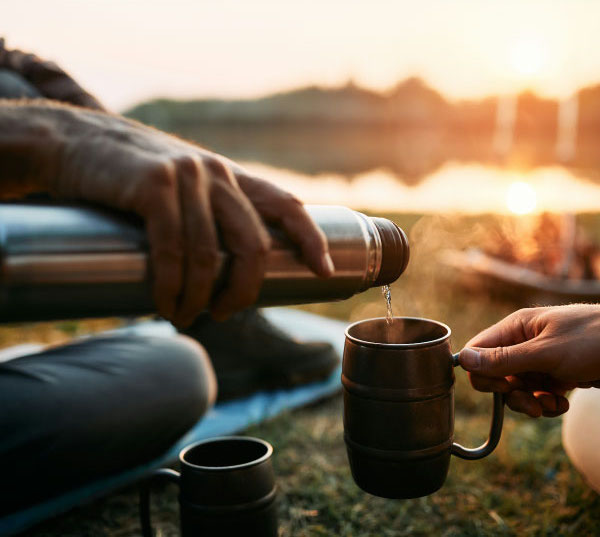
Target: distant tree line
x: 410, y: 103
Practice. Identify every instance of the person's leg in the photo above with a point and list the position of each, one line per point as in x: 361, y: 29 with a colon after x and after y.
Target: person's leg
x: 94, y: 408
x: 248, y: 352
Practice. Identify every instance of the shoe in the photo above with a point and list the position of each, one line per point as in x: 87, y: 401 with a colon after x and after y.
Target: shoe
x: 250, y: 354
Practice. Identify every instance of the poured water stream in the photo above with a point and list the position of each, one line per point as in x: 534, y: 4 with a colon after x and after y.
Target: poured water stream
x: 387, y: 295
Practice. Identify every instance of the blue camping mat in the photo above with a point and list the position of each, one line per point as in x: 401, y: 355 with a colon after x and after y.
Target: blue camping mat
x: 225, y: 418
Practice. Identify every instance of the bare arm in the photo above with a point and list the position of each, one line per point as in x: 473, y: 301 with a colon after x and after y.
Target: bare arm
x: 29, y: 148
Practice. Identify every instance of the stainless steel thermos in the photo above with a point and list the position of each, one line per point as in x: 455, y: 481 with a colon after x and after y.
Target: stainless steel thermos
x: 66, y: 261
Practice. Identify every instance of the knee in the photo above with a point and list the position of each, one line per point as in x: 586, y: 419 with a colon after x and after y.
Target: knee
x: 168, y: 382
x: 196, y: 371
x: 191, y: 377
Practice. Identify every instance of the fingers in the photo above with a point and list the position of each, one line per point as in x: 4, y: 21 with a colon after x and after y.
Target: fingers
x: 303, y: 231
x: 530, y: 382
x: 505, y: 361
x: 508, y: 331
x: 247, y: 241
x: 535, y: 395
x: 201, y: 248
x: 540, y: 382
x: 552, y: 405
x: 182, y: 200
x: 537, y: 404
x: 282, y: 208
x: 160, y: 209
x: 489, y: 384
x: 534, y: 404
x: 524, y: 402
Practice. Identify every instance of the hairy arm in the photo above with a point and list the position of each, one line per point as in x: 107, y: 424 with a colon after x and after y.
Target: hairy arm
x: 30, y: 144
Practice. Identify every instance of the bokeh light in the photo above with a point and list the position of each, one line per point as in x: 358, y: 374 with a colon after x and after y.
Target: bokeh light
x: 528, y: 56
x: 521, y: 198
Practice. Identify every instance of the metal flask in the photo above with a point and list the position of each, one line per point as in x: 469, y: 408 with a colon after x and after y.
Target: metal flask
x: 72, y: 261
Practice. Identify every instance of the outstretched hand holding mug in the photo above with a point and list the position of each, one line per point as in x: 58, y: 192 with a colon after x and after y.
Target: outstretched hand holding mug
x: 536, y: 355
x: 398, y: 386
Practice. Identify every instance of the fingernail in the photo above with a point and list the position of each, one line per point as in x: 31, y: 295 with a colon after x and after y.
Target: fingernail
x: 470, y: 359
x: 327, y: 264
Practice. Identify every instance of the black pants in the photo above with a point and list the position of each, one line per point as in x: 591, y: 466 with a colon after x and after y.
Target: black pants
x: 94, y: 408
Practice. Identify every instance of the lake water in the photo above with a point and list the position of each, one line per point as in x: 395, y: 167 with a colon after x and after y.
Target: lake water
x: 455, y: 187
x: 416, y: 170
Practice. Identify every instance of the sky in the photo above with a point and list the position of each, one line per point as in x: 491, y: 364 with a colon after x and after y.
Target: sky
x: 126, y: 51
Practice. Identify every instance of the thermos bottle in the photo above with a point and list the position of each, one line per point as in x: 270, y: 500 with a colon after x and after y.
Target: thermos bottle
x: 66, y: 261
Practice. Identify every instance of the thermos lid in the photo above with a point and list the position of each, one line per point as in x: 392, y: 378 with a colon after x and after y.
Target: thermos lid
x: 395, y: 251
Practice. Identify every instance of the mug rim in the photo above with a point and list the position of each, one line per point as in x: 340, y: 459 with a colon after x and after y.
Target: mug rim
x: 416, y: 345
x: 249, y: 464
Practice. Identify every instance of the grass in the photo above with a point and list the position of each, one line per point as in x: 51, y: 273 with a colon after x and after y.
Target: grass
x: 526, y: 488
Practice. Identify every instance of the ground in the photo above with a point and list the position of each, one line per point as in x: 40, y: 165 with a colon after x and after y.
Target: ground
x: 527, y: 487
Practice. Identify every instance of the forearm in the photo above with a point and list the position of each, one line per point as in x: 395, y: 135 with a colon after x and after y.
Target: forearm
x: 47, y: 146
x: 30, y: 144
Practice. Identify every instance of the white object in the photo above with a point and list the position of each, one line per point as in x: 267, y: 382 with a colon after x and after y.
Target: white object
x: 581, y: 434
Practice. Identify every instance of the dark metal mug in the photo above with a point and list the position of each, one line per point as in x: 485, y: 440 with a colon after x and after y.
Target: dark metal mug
x: 226, y: 487
x: 399, y: 407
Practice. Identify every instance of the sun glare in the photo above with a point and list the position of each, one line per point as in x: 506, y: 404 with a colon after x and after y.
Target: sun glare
x: 527, y: 56
x: 521, y: 198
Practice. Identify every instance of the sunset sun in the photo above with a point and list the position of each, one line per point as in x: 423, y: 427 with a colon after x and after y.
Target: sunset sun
x: 527, y: 56
x: 521, y: 198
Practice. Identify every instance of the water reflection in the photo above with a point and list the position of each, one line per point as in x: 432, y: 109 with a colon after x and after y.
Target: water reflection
x: 422, y: 170
x: 455, y: 187
x: 410, y: 155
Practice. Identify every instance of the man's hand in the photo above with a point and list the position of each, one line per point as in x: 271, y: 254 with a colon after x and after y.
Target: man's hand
x: 183, y: 193
x: 535, y: 355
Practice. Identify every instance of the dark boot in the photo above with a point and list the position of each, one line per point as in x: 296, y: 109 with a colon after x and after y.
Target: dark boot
x: 250, y: 354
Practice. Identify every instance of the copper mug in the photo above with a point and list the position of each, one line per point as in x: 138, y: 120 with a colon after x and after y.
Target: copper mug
x: 398, y: 385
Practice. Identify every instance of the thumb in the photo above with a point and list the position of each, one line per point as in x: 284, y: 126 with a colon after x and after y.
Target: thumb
x: 502, y: 361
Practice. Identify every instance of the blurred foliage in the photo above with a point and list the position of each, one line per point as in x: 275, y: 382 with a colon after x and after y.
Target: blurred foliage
x: 410, y: 103
x: 410, y: 129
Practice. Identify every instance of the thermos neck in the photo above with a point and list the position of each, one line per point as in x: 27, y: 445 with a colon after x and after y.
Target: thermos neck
x: 395, y: 251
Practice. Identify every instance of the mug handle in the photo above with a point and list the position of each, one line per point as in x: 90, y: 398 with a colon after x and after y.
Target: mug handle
x: 164, y: 473
x: 495, y: 429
